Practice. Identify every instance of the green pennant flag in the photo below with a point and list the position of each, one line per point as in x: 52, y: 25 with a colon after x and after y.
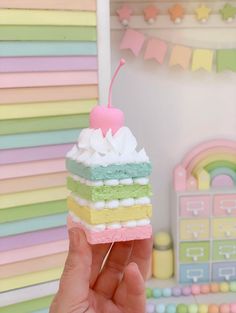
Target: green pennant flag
x: 226, y: 60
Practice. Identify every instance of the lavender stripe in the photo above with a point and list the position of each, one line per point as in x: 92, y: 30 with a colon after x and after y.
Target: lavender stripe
x: 10, y: 156
x: 33, y: 238
x: 46, y: 64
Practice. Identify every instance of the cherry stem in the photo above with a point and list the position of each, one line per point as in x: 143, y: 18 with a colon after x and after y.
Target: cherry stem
x: 122, y: 62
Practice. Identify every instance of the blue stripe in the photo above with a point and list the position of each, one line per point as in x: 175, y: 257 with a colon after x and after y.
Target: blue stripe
x: 42, y: 48
x: 32, y: 224
x: 39, y: 139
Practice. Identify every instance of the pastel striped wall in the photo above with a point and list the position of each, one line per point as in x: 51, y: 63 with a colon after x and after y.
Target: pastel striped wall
x: 48, y: 85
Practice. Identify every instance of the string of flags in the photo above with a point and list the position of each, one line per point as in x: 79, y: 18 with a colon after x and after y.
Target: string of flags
x: 176, y: 13
x: 180, y: 55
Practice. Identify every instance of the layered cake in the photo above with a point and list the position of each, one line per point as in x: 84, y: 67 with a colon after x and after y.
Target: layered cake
x: 109, y: 181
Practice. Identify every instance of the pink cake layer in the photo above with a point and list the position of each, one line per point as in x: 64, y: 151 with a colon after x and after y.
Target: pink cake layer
x: 113, y: 235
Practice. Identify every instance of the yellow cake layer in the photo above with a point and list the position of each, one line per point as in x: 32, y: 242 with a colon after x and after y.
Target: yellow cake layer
x: 121, y: 214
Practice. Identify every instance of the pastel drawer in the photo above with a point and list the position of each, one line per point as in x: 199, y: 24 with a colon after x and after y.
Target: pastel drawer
x: 194, y: 252
x: 224, y: 228
x: 224, y: 250
x: 194, y: 273
x: 224, y: 271
x: 194, y: 229
x: 195, y: 206
x: 224, y: 205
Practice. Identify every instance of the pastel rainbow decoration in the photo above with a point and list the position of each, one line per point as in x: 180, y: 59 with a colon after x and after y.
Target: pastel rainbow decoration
x: 211, y: 164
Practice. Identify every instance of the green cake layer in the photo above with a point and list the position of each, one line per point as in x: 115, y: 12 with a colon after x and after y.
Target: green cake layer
x: 107, y: 193
x: 115, y: 171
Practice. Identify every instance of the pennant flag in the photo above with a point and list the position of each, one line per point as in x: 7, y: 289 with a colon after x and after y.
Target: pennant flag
x: 132, y: 40
x: 202, y: 59
x: 226, y: 60
x: 156, y: 49
x: 180, y: 56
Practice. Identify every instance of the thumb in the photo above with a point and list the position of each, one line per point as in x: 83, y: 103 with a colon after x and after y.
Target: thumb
x: 135, y: 288
x: 74, y: 284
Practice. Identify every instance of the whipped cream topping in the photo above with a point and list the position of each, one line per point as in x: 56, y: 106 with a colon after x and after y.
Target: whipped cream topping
x: 111, y: 182
x: 95, y: 149
x: 115, y: 225
x: 113, y: 204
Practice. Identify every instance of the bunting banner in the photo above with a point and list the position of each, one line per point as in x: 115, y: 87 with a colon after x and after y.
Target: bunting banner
x: 187, y: 58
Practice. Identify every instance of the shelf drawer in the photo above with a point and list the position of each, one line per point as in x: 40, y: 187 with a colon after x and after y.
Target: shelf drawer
x: 195, y: 206
x: 224, y: 271
x: 224, y: 228
x: 224, y: 250
x: 224, y: 205
x: 194, y: 252
x: 194, y: 273
x: 194, y: 229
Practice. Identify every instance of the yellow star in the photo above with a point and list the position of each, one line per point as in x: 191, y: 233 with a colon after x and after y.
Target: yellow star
x: 202, y: 13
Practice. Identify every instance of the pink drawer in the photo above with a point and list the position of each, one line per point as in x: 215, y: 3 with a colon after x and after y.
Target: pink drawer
x: 195, y: 206
x: 225, y: 205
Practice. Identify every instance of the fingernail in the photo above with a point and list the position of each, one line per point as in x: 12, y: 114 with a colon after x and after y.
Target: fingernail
x: 74, y: 237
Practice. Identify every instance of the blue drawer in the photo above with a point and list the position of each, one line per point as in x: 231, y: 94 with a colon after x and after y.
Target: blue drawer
x: 224, y: 271
x: 194, y: 273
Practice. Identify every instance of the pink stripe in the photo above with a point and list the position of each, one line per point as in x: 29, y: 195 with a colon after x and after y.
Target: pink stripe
x: 47, y: 79
x: 33, y: 168
x: 34, y: 154
x: 33, y: 238
x: 85, y: 5
x: 47, y: 64
x: 33, y: 252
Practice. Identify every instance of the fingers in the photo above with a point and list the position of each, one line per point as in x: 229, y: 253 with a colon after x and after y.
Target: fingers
x: 141, y: 255
x: 130, y: 294
x: 74, y: 284
x: 113, y: 270
x: 99, y: 253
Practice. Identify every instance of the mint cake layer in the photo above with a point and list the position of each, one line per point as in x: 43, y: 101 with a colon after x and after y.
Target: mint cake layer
x: 121, y: 214
x: 107, y: 193
x: 114, y: 171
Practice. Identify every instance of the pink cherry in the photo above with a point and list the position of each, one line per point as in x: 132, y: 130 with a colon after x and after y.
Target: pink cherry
x: 106, y: 118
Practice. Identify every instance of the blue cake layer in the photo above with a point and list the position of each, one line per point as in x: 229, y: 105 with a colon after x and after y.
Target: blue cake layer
x: 114, y: 171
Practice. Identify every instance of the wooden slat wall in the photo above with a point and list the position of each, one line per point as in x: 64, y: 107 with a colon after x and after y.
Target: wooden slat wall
x: 48, y: 85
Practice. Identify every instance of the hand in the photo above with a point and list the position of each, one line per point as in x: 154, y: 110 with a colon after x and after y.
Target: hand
x: 87, y: 286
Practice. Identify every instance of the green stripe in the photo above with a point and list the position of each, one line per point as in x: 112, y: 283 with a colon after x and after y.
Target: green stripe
x: 28, y: 306
x: 30, y: 125
x: 210, y: 167
x: 34, y: 48
x: 52, y: 33
x: 108, y: 193
x: 32, y: 211
x: 39, y: 139
x: 38, y: 223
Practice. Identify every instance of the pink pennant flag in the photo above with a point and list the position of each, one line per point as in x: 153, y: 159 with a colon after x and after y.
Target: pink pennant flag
x: 156, y: 49
x: 181, y: 56
x: 132, y: 40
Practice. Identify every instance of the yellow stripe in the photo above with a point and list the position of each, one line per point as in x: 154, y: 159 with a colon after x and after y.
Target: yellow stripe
x: 30, y: 197
x: 30, y: 279
x: 46, y: 17
x: 121, y: 214
x: 27, y: 110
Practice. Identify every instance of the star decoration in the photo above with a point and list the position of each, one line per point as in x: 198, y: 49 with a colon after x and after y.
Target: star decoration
x: 124, y: 14
x: 202, y: 13
x: 150, y: 13
x: 228, y: 12
x: 176, y: 13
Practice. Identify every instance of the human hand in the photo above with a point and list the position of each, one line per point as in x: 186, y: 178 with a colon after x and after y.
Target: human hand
x: 117, y: 287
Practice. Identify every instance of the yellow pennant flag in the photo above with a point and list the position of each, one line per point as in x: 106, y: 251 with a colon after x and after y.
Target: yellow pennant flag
x: 202, y: 59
